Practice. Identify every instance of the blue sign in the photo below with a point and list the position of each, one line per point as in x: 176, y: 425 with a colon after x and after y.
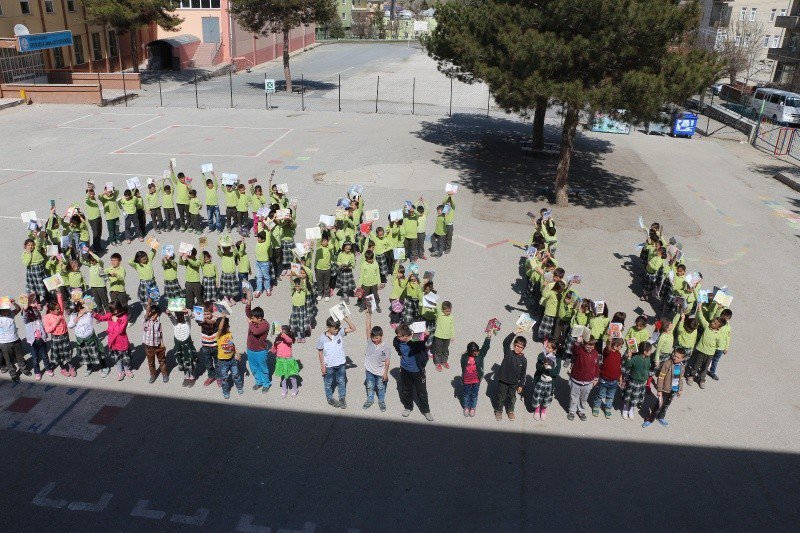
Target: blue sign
x: 44, y: 41
x: 685, y: 124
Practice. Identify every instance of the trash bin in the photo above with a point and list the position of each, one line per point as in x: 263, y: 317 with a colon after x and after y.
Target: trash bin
x: 684, y: 124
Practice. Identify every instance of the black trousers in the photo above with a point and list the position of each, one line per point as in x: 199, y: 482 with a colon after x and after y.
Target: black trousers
x: 183, y: 215
x: 194, y: 294
x: 100, y: 295
x: 698, y: 365
x: 230, y: 217
x: 448, y: 238
x: 170, y: 222
x: 156, y: 218
x: 96, y: 224
x: 373, y: 290
x: 660, y: 411
x: 323, y: 282
x: 506, y: 396
x: 409, y: 383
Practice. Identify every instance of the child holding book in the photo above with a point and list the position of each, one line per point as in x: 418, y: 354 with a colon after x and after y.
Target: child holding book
x: 168, y: 199
x: 413, y: 358
x: 210, y: 290
x: 212, y: 204
x: 610, y: 378
x: 323, y: 257
x: 10, y: 343
x: 172, y: 288
x: 128, y: 205
x: 263, y: 275
x: 195, y: 205
x: 411, y: 298
x: 298, y: 321
x: 153, y: 203
x: 709, y: 342
x: 36, y: 335
x: 669, y: 384
x: 97, y: 282
x: 345, y: 283
x: 87, y: 344
x: 243, y: 270
x: 33, y: 260
x: 194, y: 289
x: 183, y: 349
x: 548, y: 367
x: 111, y: 214
x: 443, y: 335
x: 369, y: 279
x: 638, y: 370
x: 93, y: 208
x: 257, y: 333
x: 449, y: 217
x: 286, y: 367
x: 228, y: 282
x: 472, y: 373
x: 55, y: 324
x: 725, y: 331
x: 142, y: 262
x: 231, y: 197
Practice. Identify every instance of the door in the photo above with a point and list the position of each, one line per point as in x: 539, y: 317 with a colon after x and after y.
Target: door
x: 210, y: 29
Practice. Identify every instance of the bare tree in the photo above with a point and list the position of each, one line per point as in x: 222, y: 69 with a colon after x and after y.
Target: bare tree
x: 361, y: 26
x: 741, y: 46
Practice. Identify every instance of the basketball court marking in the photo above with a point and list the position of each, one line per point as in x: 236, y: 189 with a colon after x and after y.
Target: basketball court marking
x: 725, y: 217
x: 153, y: 116
x: 124, y: 150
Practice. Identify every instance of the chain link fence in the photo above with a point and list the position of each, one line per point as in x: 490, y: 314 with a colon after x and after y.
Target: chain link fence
x: 378, y: 93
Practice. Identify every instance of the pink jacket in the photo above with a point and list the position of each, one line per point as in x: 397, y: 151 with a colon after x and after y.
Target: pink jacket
x: 117, y: 336
x: 284, y: 348
x: 55, y: 324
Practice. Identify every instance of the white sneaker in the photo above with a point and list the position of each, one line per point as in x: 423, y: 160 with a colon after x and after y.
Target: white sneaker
x: 327, y: 298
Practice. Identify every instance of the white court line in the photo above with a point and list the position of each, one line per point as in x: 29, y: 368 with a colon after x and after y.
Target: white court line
x: 273, y: 142
x: 81, y: 172
x: 142, y: 139
x: 76, y: 119
x: 174, y: 154
x: 337, y: 73
x: 155, y: 117
x: 230, y: 127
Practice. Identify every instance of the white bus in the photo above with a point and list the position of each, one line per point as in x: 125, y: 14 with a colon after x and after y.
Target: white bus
x: 780, y: 106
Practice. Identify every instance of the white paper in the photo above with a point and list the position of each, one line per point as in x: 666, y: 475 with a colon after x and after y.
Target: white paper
x: 396, y: 215
x: 641, y: 222
x: 52, y: 250
x: 167, y: 174
x: 206, y: 168
x: 339, y: 311
x: 328, y: 221
x: 371, y: 300
x: 399, y: 254
x: 27, y: 216
x: 599, y: 307
x: 185, y: 248
x: 372, y: 214
x: 229, y: 179
x: 300, y: 249
x: 418, y: 327
x: 282, y: 214
x: 723, y: 298
x: 109, y: 185
x: 526, y: 322
x: 451, y: 188
x: 293, y: 201
x: 133, y: 183
x: 173, y: 162
x: 313, y: 233
x: 430, y: 300
x: 283, y: 188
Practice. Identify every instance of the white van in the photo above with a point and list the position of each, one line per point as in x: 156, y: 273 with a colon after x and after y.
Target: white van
x: 780, y: 106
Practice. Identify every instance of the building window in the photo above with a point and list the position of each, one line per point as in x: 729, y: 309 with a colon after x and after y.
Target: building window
x: 97, y: 49
x: 71, y: 6
x: 198, y: 4
x: 78, y: 46
x: 1, y: 10
x: 112, y: 44
x: 737, y: 40
x: 752, y: 14
x: 344, y: 16
x: 48, y: 6
x: 58, y: 54
x: 766, y: 40
x: 772, y: 15
x: 783, y: 12
x: 25, y: 6
x: 743, y: 13
x: 775, y: 41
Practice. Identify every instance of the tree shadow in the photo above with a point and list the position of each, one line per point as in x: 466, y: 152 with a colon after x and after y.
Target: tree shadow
x: 487, y: 153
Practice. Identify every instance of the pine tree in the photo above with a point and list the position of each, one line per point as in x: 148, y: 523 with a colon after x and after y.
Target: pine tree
x: 280, y: 16
x: 601, y: 55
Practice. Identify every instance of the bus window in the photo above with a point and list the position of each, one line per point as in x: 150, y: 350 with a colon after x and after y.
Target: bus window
x: 792, y: 101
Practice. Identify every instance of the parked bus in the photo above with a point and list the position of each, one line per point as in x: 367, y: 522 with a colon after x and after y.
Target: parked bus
x: 780, y: 106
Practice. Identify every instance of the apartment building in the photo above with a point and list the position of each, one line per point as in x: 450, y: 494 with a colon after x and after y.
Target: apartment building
x: 736, y: 19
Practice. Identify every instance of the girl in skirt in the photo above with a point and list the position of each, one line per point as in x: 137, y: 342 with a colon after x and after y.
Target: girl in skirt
x: 210, y: 291
x: 36, y: 336
x: 654, y: 268
x: 286, y: 367
x: 288, y: 227
x: 56, y: 326
x: 382, y: 248
x: 345, y: 283
x: 142, y: 262
x: 33, y: 260
x: 396, y: 305
x: 638, y: 369
x: 311, y: 300
x: 298, y: 321
x: 228, y: 283
x: 172, y: 288
x: 119, y: 347
x: 548, y: 366
x: 185, y: 352
x: 89, y: 351
x: 413, y: 295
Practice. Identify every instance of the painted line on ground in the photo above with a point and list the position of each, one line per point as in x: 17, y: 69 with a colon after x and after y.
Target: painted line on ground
x: 337, y: 73
x: 76, y: 119
x: 18, y: 177
x: 793, y: 219
x: 122, y: 128
x: 725, y: 217
x: 142, y: 139
x: 270, y: 145
x: 720, y: 262
x: 80, y: 172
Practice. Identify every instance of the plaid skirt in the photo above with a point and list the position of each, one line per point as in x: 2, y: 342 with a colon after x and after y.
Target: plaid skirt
x: 34, y: 281
x: 298, y: 321
x: 144, y: 289
x: 210, y: 291
x: 61, y: 349
x: 87, y: 350
x: 311, y: 303
x: 229, y: 285
x: 286, y: 253
x: 546, y: 326
x: 121, y: 355
x: 185, y: 355
x: 634, y: 393
x: 383, y: 265
x: 410, y: 311
x: 542, y: 393
x: 649, y: 281
x: 345, y: 282
x: 172, y: 289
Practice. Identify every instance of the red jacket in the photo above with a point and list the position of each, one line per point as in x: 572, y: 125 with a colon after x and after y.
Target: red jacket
x: 611, y: 369
x: 584, y: 363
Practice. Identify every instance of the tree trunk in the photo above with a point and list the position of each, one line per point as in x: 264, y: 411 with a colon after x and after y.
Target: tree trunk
x: 538, y: 122
x: 287, y: 73
x: 567, y: 145
x: 134, y: 51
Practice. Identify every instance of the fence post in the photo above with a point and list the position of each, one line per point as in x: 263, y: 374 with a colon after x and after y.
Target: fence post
x: 230, y: 83
x: 451, y: 97
x: 266, y: 94
x: 377, y: 91
x: 196, y: 99
x: 124, y: 90
x: 303, y: 91
x: 100, y: 86
x: 708, y: 121
x: 160, y: 97
x: 340, y: 92
x: 413, y: 94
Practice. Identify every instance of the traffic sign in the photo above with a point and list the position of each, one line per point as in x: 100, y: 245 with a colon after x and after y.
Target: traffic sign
x: 269, y: 86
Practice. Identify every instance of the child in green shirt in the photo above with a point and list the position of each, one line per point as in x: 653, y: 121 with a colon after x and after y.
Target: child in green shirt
x: 142, y: 262
x: 111, y: 213
x: 116, y: 281
x: 212, y: 204
x: 168, y: 199
x: 242, y: 205
x: 638, y: 370
x: 153, y: 203
x: 298, y: 321
x: 210, y: 289
x: 345, y: 262
x: 128, y: 205
x: 369, y: 279
x: 172, y: 288
x: 444, y: 334
x: 97, y: 282
x: 243, y: 269
x: 439, y: 233
x: 194, y: 212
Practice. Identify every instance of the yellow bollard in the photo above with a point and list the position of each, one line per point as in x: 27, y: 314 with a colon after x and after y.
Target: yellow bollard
x: 22, y: 94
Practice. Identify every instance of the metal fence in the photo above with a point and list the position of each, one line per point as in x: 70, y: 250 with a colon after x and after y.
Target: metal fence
x: 378, y: 93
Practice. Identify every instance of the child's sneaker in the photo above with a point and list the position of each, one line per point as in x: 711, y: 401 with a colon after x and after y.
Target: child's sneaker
x: 72, y: 372
x: 498, y: 415
x: 333, y: 403
x: 646, y: 424
x: 536, y: 413
x: 543, y: 413
x: 343, y: 403
x: 268, y: 293
x: 219, y: 382
x: 226, y: 395
x: 208, y: 382
x: 438, y: 368
x: 265, y: 389
x: 472, y: 412
x: 609, y: 413
x: 120, y: 376
x: 191, y: 382
x: 406, y: 412
x: 595, y: 411
x: 129, y: 373
x: 446, y: 365
x: 105, y: 372
x: 240, y: 391
x: 466, y: 412
x: 185, y: 382
x: 64, y: 372
x: 50, y: 373
x: 663, y: 422
x: 367, y: 404
x: 87, y: 372
x: 382, y: 406
x: 37, y: 377
x: 256, y: 294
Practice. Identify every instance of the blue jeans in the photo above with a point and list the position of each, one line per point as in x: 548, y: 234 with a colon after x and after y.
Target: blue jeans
x: 259, y: 367
x: 375, y: 382
x: 209, y: 356
x: 263, y: 280
x: 212, y: 218
x: 39, y: 354
x: 471, y: 395
x: 715, y: 361
x: 338, y: 373
x: 606, y: 390
x: 230, y: 365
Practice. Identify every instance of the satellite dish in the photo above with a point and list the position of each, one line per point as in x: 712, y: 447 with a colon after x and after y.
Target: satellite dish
x: 21, y: 29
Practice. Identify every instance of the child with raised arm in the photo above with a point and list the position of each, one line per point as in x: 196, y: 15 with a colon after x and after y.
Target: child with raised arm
x: 257, y: 333
x: 286, y: 367
x: 472, y: 373
x: 548, y: 366
x: 142, y: 262
x: 512, y: 374
x: 184, y: 350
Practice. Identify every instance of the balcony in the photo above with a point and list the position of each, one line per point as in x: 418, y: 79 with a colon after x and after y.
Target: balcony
x: 784, y: 55
x: 788, y: 22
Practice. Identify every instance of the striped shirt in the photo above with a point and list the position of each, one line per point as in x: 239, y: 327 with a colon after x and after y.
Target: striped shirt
x: 208, y: 333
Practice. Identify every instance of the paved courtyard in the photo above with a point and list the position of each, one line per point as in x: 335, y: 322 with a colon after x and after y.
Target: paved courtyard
x: 94, y: 454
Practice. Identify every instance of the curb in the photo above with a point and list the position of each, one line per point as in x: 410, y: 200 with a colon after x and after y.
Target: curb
x: 789, y: 180
x: 11, y: 104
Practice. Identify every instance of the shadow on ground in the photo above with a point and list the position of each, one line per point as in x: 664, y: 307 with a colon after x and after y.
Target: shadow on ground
x: 287, y: 468
x: 487, y: 152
